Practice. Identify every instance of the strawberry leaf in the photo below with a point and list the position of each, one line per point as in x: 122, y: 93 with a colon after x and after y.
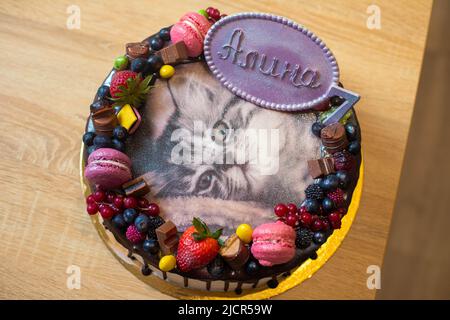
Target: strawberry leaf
x: 217, y: 233
x: 198, y: 237
x: 199, y: 225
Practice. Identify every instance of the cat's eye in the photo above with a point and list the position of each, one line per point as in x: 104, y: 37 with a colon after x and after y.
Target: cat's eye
x: 221, y: 131
x: 204, y: 181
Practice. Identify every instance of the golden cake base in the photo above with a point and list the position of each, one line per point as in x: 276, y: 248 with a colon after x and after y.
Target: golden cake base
x: 300, y: 274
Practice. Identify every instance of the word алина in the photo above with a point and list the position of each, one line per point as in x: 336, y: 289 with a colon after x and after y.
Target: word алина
x: 298, y: 77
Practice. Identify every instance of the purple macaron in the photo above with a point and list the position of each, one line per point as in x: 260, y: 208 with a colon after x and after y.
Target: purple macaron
x: 108, y: 168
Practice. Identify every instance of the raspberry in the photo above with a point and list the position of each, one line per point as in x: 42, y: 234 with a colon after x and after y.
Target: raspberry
x: 314, y: 191
x: 134, y: 235
x: 344, y: 160
x: 337, y: 196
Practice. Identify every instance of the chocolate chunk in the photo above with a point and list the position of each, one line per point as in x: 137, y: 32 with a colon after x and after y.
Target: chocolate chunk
x: 321, y: 167
x: 174, y: 53
x: 234, y: 252
x: 334, y: 138
x: 105, y: 121
x: 137, y: 187
x: 167, y: 237
x: 137, y: 50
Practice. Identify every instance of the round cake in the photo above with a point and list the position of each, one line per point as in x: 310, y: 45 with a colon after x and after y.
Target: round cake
x: 222, y: 152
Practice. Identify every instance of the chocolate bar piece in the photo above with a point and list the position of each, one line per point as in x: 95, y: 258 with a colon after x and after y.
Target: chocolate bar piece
x: 334, y: 138
x: 234, y: 252
x: 321, y: 167
x: 137, y: 50
x: 174, y: 53
x: 104, y: 121
x: 167, y: 236
x: 136, y: 188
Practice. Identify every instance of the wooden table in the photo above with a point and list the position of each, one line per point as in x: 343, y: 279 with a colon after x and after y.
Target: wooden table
x: 50, y: 74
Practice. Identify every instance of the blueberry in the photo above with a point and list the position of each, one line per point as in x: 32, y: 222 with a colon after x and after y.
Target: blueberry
x: 327, y: 204
x: 119, y: 221
x: 354, y: 147
x: 252, y: 267
x: 336, y: 101
x: 103, y: 92
x: 118, y: 145
x: 101, y: 141
x: 138, y: 65
x: 154, y: 63
x: 142, y: 223
x: 319, y: 238
x: 272, y: 284
x: 351, y: 130
x: 164, y: 34
x: 312, y: 205
x: 129, y: 215
x: 88, y: 138
x: 120, y: 133
x: 330, y: 182
x: 344, y: 179
x: 91, y: 149
x: 317, y: 128
x: 156, y: 43
x: 216, y: 267
x: 151, y: 246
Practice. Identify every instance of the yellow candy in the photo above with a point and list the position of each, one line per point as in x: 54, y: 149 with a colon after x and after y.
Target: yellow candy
x: 244, y: 232
x: 167, y: 263
x: 126, y: 117
x: 166, y: 71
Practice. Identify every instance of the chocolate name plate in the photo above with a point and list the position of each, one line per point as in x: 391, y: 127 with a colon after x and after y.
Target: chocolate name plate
x: 275, y: 63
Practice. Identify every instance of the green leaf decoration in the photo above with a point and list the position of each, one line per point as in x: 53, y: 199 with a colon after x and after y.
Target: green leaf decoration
x: 217, y: 234
x: 203, y: 230
x: 199, y: 225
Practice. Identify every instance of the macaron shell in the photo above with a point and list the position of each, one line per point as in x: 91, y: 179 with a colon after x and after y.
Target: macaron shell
x: 273, y: 243
x: 191, y: 29
x: 108, y: 168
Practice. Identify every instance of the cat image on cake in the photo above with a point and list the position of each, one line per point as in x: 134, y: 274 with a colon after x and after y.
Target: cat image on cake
x: 209, y: 153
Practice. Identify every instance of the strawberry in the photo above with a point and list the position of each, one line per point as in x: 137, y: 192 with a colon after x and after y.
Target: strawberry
x: 197, y: 246
x: 128, y: 87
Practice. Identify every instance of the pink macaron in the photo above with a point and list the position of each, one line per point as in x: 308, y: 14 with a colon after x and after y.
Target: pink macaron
x: 191, y: 29
x: 273, y: 243
x: 108, y: 168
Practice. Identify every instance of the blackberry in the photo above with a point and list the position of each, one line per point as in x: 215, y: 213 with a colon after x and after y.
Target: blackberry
x: 304, y: 238
x: 154, y: 223
x: 314, y: 191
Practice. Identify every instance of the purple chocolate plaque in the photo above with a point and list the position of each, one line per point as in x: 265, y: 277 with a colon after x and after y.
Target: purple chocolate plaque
x: 271, y: 61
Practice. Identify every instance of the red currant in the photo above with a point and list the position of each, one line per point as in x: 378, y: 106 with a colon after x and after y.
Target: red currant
x: 292, y: 208
x: 143, y: 203
x: 223, y: 16
x: 99, y: 196
x: 90, y: 199
x: 306, y: 218
x: 334, y: 217
x: 302, y: 210
x: 130, y: 202
x: 317, y: 225
x: 280, y: 210
x: 213, y: 13
x: 291, y: 220
x: 118, y: 201
x: 110, y: 196
x: 153, y: 209
x: 336, y: 225
x: 325, y: 224
x: 92, y: 208
x: 106, y: 212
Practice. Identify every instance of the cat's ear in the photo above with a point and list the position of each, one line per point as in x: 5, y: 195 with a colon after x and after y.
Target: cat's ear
x: 188, y: 92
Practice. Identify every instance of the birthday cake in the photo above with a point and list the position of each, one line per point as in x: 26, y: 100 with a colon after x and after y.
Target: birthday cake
x: 222, y: 152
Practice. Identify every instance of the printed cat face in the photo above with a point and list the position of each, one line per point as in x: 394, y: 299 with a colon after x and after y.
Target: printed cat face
x: 199, y: 143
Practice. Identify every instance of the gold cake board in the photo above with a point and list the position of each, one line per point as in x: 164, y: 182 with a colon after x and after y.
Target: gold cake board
x: 300, y: 274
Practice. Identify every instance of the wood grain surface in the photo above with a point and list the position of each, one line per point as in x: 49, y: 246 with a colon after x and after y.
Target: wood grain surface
x: 49, y: 75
